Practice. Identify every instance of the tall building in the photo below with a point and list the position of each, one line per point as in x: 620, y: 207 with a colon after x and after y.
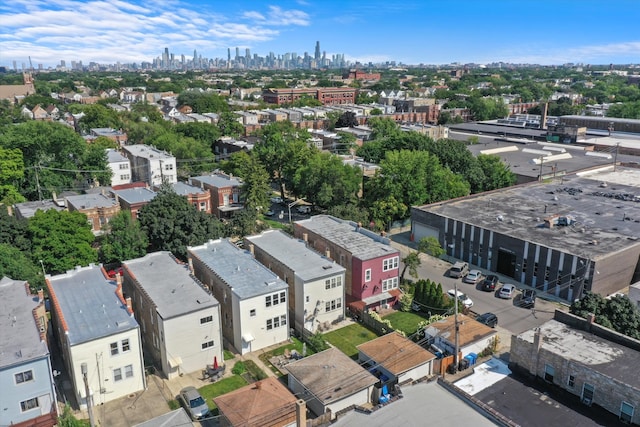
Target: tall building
x: 317, y: 55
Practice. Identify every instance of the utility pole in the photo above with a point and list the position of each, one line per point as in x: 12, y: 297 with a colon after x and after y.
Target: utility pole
x: 83, y: 368
x: 457, y: 329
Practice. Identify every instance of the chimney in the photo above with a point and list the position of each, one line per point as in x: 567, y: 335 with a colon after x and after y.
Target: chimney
x: 129, y: 306
x: 535, y: 356
x: 119, y: 279
x: 191, y: 265
x: 305, y: 237
x: 258, y: 385
x: 591, y: 319
x: 301, y: 413
x: 252, y: 248
x: 40, y: 295
x: 54, y: 196
x: 327, y: 253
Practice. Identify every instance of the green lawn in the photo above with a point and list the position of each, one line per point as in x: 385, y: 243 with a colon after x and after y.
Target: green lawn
x: 221, y: 387
x: 404, y: 321
x: 347, y: 338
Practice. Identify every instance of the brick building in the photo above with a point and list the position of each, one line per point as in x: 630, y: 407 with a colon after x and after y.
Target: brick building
x: 98, y: 208
x: 326, y: 95
x: 225, y: 192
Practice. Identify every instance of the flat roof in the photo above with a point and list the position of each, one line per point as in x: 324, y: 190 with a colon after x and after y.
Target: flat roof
x: 218, y: 180
x: 91, y: 201
x: 608, y: 216
x: 184, y: 189
x: 135, y: 195
x: 21, y: 340
x: 294, y: 253
x: 358, y: 241
x: 176, y: 418
x: 170, y: 284
x: 147, y: 151
x: 330, y: 375
x: 237, y: 268
x: 29, y: 209
x: 88, y: 303
x: 601, y: 355
x: 469, y: 330
x: 114, y: 156
x: 396, y: 353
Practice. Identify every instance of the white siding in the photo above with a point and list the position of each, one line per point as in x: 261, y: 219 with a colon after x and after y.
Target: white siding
x: 256, y: 326
x: 306, y: 313
x: 359, y: 398
x: 100, y: 365
x: 416, y: 373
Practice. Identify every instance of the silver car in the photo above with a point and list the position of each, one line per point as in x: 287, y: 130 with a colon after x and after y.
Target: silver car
x: 473, y: 277
x: 507, y: 291
x: 193, y: 402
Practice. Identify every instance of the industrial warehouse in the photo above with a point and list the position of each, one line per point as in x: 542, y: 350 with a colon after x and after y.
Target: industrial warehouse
x: 563, y: 236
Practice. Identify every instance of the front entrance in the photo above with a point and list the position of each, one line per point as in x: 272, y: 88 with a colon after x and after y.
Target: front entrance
x: 506, y: 263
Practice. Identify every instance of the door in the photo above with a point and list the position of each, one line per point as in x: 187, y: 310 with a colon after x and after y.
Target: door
x: 506, y: 263
x: 587, y: 394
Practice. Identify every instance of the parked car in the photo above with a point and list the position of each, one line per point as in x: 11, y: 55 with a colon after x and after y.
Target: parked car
x: 507, y: 291
x: 528, y: 298
x: 466, y: 301
x: 488, y: 319
x: 459, y: 269
x: 269, y: 213
x: 473, y: 277
x: 304, y: 209
x: 193, y: 402
x: 277, y: 200
x: 489, y: 283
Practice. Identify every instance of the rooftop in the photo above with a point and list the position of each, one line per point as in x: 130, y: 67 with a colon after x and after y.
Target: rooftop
x: 185, y: 189
x: 294, y: 253
x: 147, y: 152
x: 218, y: 180
x: 114, y: 156
x: 601, y: 355
x: 170, y: 284
x: 175, y: 418
x: 330, y: 375
x: 361, y: 243
x: 87, y: 303
x: 29, y: 209
x: 470, y: 331
x: 91, y: 201
x: 135, y: 195
x: 237, y: 268
x: 21, y: 340
x: 396, y: 353
x: 607, y: 216
x: 264, y: 400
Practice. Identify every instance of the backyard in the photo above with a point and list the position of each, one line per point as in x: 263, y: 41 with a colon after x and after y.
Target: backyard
x: 406, y: 322
x: 347, y: 338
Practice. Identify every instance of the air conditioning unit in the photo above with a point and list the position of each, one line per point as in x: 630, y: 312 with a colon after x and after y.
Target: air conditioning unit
x: 586, y: 401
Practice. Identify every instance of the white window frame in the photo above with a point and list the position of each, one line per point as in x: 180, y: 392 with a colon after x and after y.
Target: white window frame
x: 388, y: 284
x: 127, y: 343
x: 117, y: 375
x: 571, y: 381
x: 206, y: 319
x: 21, y: 377
x: 252, y: 312
x: 633, y: 410
x: 29, y: 404
x: 367, y: 275
x: 128, y: 371
x: 115, y: 350
x: 390, y: 263
x: 207, y: 344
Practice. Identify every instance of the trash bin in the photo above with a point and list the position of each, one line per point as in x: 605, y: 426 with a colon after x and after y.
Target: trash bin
x: 464, y: 364
x: 452, y: 368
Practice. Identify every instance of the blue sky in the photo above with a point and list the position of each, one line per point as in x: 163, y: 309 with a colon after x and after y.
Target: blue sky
x: 408, y: 31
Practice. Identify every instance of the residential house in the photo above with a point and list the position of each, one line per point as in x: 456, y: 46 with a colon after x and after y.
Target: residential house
x: 53, y: 111
x: 395, y: 359
x: 199, y: 198
x: 40, y: 113
x: 316, y: 291
x: 330, y: 381
x: 179, y: 317
x: 473, y: 336
x: 169, y: 112
x: 225, y: 192
x: 120, y: 167
x: 28, y: 396
x: 116, y: 135
x: 253, y: 300
x: 176, y: 418
x: 28, y: 209
x: 26, y: 112
x: 97, y: 334
x: 151, y: 165
x: 265, y: 403
x: 213, y: 117
x: 226, y: 146
x: 199, y: 118
x: 133, y: 199
x: 247, y: 117
x: 99, y: 208
x: 596, y: 364
x: 372, y: 264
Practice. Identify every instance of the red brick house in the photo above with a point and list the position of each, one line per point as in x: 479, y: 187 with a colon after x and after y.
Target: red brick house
x: 326, y: 95
x: 98, y: 208
x: 225, y: 192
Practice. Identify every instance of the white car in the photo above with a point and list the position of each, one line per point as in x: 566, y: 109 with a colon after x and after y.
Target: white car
x: 473, y: 277
x: 466, y: 301
x: 507, y: 291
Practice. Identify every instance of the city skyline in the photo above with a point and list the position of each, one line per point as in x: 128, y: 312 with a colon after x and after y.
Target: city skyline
x: 414, y: 32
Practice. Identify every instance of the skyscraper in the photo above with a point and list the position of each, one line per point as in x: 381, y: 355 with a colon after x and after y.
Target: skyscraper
x: 317, y: 55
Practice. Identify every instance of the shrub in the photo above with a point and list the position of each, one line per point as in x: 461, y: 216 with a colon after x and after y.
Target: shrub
x: 239, y: 368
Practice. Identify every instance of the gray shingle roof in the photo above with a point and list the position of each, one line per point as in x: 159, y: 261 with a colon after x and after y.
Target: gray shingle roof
x: 237, y: 268
x: 20, y: 334
x: 88, y: 302
x: 169, y: 284
x: 294, y: 253
x: 185, y: 189
x: 361, y: 243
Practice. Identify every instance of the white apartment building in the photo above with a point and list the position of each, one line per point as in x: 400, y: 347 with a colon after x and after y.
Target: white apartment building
x: 150, y: 165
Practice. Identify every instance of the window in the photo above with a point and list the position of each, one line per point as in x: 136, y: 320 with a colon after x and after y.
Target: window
x: 269, y: 324
x: 535, y: 269
x: 327, y: 284
x: 390, y: 263
x: 117, y: 374
x: 23, y: 377
x: 283, y: 297
x: 252, y: 312
x: 572, y: 381
x: 276, y: 322
x: 333, y: 305
x: 124, y: 166
x: 339, y: 281
x: 626, y: 412
x: 306, y: 298
x: 367, y: 275
x: 207, y: 344
x: 207, y: 319
x: 587, y: 393
x: 114, y: 348
x: 125, y: 345
x: 203, y: 206
x: 548, y: 373
x: 125, y: 177
x: 389, y: 284
x: 128, y: 371
x: 168, y: 166
x: 268, y: 300
x: 29, y: 404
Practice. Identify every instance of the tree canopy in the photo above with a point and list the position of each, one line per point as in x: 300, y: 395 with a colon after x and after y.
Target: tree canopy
x: 123, y: 240
x: 617, y: 313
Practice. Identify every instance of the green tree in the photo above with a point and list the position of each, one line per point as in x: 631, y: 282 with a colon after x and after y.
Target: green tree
x: 62, y: 240
x: 203, y: 132
x: 203, y: 102
x: 382, y: 127
x: 346, y: 120
x: 617, y: 313
x: 350, y: 212
x: 123, y: 240
x: 229, y: 125
x: 11, y: 172
x: 430, y: 246
x: 67, y: 419
x: 99, y: 116
x: 411, y: 262
x: 18, y: 266
x: 496, y: 173
x: 172, y: 223
x: 385, y: 211
x: 255, y: 188
x: 14, y: 232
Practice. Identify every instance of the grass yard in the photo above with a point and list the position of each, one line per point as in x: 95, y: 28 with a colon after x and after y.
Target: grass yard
x: 404, y: 321
x: 347, y: 338
x: 221, y: 387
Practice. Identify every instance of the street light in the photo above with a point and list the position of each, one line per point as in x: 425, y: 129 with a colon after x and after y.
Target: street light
x: 290, y: 205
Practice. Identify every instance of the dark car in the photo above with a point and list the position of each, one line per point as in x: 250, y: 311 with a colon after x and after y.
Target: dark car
x: 489, y: 283
x: 528, y: 298
x: 488, y: 319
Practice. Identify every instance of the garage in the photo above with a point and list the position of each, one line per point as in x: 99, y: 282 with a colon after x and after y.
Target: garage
x: 419, y: 231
